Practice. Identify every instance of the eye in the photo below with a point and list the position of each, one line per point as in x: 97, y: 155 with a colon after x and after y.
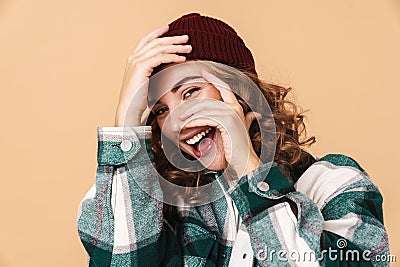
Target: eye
x: 190, y: 92
x: 160, y: 111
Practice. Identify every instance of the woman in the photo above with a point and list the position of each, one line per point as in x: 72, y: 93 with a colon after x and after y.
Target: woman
x: 268, y: 201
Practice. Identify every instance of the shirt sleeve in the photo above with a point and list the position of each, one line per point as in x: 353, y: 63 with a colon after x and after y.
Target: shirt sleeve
x: 339, y: 218
x: 120, y: 220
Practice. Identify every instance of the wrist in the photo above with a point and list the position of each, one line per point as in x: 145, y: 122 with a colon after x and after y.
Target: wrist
x: 125, y: 118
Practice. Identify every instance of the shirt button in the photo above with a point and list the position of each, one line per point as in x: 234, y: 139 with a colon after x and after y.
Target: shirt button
x: 263, y: 186
x: 126, y: 145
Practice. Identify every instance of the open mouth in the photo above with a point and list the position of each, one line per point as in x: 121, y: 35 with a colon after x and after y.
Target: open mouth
x: 202, y: 142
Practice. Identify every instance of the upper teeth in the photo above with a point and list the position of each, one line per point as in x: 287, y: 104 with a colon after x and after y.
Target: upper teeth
x: 197, y: 137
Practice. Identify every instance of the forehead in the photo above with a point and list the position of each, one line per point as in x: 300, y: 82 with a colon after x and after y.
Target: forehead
x: 173, y: 76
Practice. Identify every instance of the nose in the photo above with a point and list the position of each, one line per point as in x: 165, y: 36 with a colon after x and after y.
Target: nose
x: 173, y: 105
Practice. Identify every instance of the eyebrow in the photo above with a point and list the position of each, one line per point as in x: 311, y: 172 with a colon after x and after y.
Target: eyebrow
x: 176, y: 87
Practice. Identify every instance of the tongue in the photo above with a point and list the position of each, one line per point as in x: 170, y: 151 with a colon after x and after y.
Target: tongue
x: 204, y: 145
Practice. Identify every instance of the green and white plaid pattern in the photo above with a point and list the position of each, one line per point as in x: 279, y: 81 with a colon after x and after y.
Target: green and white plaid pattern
x: 339, y: 208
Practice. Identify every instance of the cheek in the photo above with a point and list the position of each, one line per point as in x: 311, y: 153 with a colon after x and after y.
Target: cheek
x: 160, y: 123
x: 165, y: 130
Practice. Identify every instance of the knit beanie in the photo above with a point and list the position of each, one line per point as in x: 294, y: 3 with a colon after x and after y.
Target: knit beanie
x: 213, y: 40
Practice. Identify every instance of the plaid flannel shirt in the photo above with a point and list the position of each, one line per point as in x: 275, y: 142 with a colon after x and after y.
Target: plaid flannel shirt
x: 339, y: 214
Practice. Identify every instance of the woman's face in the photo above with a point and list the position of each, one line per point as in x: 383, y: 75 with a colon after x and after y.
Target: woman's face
x: 174, y: 87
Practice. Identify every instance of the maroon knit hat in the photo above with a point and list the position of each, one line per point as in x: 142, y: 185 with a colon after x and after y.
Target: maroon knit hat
x: 214, y: 40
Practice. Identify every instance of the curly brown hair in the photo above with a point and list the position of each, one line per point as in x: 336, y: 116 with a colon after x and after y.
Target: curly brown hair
x: 290, y: 137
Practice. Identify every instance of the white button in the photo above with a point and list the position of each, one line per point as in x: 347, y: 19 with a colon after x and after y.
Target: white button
x: 126, y: 145
x: 263, y: 186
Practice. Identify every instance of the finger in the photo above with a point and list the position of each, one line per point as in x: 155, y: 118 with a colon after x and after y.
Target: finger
x: 220, y: 118
x: 213, y: 114
x: 224, y: 89
x: 154, y: 61
x: 181, y: 39
x: 151, y: 36
x: 201, y: 105
x: 174, y: 126
x: 165, y: 49
x: 202, y: 121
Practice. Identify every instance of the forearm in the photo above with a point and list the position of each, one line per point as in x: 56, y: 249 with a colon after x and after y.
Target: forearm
x: 127, y: 116
x: 120, y: 217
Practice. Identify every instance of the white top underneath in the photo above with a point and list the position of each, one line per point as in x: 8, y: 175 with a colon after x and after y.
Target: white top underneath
x: 242, y: 253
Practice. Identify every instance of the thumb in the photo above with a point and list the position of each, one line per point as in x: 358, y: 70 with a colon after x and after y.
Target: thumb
x: 250, y: 117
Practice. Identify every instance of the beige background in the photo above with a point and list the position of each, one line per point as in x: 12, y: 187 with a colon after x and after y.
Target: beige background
x: 61, y: 66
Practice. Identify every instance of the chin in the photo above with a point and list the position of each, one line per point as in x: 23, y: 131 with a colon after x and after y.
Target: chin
x: 216, y: 168
x: 214, y: 164
x: 217, y: 164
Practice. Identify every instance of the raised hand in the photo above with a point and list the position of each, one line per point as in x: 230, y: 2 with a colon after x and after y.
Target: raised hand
x: 151, y: 51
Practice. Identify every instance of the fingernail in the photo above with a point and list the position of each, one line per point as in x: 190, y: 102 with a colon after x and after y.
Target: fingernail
x: 204, y: 72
